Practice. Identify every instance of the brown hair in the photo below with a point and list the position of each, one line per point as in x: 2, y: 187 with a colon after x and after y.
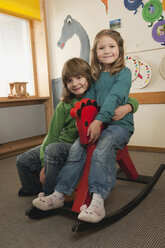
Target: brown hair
x: 96, y: 66
x: 72, y: 68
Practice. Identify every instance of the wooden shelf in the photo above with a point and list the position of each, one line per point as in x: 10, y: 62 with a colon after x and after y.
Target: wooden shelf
x: 7, y: 102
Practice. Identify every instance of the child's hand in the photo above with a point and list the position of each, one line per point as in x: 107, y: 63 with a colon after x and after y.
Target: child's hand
x: 42, y: 175
x: 121, y: 111
x: 94, y: 131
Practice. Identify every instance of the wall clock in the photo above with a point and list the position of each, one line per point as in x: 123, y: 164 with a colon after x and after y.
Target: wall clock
x: 144, y: 76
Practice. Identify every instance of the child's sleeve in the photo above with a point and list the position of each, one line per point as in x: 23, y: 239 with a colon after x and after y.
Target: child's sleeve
x: 55, y: 128
x: 134, y: 103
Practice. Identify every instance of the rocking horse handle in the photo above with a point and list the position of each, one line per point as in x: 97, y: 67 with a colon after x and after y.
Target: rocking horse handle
x: 84, y: 112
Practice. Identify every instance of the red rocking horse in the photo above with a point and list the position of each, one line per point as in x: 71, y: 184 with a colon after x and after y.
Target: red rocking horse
x: 85, y: 112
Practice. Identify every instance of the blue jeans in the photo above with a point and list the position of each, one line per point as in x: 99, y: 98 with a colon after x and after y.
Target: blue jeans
x: 29, y: 167
x: 102, y: 175
x: 55, y: 158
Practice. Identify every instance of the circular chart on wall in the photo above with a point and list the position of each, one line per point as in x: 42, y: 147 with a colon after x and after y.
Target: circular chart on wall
x: 133, y: 65
x: 144, y: 76
x: 162, y: 67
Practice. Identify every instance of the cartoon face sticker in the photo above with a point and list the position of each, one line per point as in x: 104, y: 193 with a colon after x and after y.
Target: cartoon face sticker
x: 152, y: 10
x: 133, y: 4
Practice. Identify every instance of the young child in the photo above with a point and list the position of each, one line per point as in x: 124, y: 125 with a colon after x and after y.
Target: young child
x: 111, y: 89
x: 43, y: 163
x: 38, y: 168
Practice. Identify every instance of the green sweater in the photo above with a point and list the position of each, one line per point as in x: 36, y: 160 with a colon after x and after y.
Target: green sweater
x: 62, y: 127
x: 111, y: 91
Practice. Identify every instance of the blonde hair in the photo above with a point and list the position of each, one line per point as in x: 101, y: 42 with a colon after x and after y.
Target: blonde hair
x: 72, y: 68
x: 96, y: 66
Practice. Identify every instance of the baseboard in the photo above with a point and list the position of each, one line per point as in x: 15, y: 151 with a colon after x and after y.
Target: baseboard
x: 146, y: 148
x: 19, y: 146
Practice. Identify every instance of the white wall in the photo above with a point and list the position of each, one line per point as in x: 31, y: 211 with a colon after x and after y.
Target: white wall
x: 139, y: 43
x: 92, y: 16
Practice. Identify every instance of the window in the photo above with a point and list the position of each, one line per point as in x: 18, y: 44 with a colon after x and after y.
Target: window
x: 15, y: 54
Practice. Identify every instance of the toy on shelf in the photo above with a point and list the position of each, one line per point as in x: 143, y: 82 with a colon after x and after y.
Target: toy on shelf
x: 18, y: 90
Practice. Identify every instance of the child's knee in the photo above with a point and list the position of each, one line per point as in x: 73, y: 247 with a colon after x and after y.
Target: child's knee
x: 20, y: 161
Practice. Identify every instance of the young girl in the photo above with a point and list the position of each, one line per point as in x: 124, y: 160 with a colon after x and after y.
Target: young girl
x: 111, y: 89
x: 41, y: 165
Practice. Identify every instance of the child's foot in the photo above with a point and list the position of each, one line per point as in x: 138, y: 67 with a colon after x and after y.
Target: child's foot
x: 52, y: 201
x: 21, y: 192
x: 92, y: 214
x: 41, y: 194
x: 95, y: 212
